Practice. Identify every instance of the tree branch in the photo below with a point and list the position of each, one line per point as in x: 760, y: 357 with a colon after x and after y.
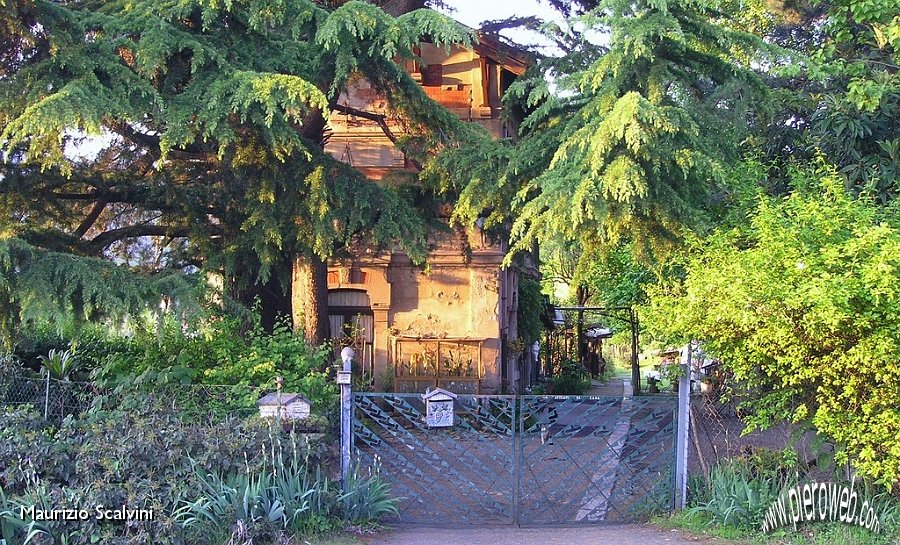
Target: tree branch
x: 92, y: 196
x: 91, y: 218
x: 381, y: 120
x: 152, y: 143
x: 146, y: 140
x: 103, y: 240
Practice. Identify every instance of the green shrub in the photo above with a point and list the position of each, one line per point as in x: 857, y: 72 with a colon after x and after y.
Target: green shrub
x: 220, y: 352
x: 279, y: 353
x: 141, y: 453
x: 282, y: 501
x: 570, y: 380
x: 801, y: 302
x: 220, y: 349
x: 733, y: 496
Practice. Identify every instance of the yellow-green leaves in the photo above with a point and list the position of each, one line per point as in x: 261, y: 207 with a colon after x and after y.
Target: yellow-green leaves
x: 638, y: 144
x: 359, y: 33
x: 79, y: 105
x: 803, y: 305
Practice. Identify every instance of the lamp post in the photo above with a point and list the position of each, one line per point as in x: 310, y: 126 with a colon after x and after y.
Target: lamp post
x: 347, y: 358
x: 343, y: 379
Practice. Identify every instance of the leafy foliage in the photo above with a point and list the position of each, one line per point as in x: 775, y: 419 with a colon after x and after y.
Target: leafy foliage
x: 570, y: 380
x: 210, y: 120
x: 284, y: 499
x: 216, y: 353
x: 60, y: 365
x: 287, y: 500
x: 139, y: 454
x: 801, y: 304
x: 735, y: 497
x: 533, y: 305
x: 736, y: 494
x: 633, y: 144
x: 368, y: 497
x: 840, y: 98
x: 37, y: 284
x: 215, y: 366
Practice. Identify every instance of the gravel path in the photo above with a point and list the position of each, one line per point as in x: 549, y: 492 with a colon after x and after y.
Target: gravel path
x: 627, y: 534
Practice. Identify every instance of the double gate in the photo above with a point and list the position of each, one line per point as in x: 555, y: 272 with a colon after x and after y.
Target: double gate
x: 528, y: 460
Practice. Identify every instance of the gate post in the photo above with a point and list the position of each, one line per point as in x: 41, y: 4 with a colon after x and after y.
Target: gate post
x: 344, y: 379
x: 681, y: 439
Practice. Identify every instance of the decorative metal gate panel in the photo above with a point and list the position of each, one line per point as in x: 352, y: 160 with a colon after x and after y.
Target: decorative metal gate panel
x: 531, y: 460
x: 589, y: 460
x: 459, y: 475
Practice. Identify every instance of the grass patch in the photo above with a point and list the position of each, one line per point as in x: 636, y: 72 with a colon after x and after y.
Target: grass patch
x: 697, y: 524
x: 832, y: 533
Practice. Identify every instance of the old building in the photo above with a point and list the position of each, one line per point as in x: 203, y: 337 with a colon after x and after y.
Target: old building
x: 454, y: 324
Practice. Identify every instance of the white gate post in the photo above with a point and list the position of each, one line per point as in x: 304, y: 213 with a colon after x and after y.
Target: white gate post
x: 344, y: 379
x: 681, y: 445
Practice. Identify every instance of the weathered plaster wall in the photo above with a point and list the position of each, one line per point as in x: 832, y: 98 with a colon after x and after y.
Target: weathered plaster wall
x: 456, y: 298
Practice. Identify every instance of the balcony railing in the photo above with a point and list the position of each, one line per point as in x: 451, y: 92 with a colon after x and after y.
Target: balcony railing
x: 450, y: 96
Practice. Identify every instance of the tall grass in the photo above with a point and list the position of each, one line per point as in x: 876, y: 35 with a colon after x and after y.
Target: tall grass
x: 283, y: 500
x: 733, y: 496
x: 368, y: 497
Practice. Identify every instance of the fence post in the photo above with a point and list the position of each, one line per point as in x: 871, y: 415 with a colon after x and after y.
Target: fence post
x: 47, y: 398
x: 344, y: 379
x: 681, y: 446
x: 279, y: 387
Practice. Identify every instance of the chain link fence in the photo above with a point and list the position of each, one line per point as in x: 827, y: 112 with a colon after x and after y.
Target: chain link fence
x: 55, y: 399
x: 717, y: 433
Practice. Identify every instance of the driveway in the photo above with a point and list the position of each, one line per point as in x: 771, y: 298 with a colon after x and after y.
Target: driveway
x: 626, y: 534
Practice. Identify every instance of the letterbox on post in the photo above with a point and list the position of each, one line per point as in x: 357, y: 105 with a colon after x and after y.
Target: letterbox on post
x: 439, y: 408
x: 292, y: 406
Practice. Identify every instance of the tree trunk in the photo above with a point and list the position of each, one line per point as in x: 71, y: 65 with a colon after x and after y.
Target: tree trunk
x: 309, y: 298
x: 582, y: 295
x: 274, y: 303
x: 395, y: 8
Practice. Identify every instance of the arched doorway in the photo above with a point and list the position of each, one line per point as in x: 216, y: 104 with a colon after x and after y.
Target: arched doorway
x: 353, y: 325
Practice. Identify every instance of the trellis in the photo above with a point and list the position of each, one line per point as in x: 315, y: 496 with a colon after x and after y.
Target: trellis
x: 455, y: 364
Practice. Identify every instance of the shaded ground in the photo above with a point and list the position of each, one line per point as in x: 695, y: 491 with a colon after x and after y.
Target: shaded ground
x: 507, y: 535
x: 613, y: 387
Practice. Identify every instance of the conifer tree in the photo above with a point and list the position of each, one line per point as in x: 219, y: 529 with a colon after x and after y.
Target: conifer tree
x: 632, y: 145
x: 210, y: 119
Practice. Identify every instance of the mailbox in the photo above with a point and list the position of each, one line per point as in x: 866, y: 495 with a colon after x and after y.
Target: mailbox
x: 292, y: 406
x: 439, y: 408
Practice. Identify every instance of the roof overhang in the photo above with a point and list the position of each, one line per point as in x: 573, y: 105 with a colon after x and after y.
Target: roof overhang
x: 510, y: 57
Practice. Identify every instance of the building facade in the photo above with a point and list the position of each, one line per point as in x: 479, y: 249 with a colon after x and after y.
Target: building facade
x: 453, y: 323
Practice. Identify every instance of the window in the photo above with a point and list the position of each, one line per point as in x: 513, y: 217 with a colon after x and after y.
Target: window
x: 353, y: 325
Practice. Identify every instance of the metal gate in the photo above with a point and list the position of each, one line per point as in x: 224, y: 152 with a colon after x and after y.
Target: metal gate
x: 528, y: 460
x: 595, y: 459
